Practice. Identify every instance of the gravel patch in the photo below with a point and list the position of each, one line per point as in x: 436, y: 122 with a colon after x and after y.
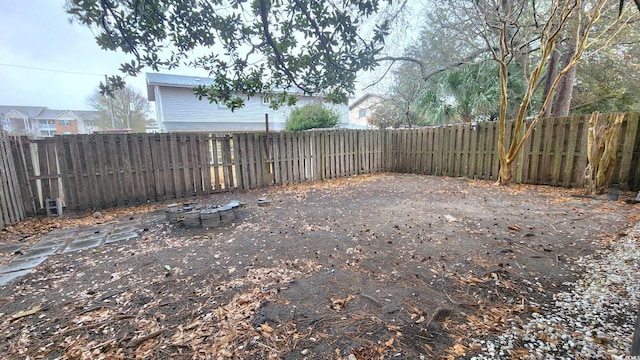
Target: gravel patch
x: 593, y: 320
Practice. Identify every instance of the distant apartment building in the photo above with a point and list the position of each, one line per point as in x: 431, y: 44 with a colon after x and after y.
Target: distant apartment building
x: 40, y: 121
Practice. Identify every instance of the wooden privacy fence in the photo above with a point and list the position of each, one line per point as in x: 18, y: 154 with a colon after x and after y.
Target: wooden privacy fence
x: 555, y: 154
x: 107, y: 170
x: 11, y: 204
x: 292, y: 158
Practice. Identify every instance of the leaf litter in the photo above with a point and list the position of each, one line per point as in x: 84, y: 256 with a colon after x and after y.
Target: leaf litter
x: 369, y: 267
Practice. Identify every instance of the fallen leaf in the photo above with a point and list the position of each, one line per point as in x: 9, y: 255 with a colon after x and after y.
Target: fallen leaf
x: 389, y: 342
x: 266, y: 328
x: 514, y: 227
x: 457, y: 350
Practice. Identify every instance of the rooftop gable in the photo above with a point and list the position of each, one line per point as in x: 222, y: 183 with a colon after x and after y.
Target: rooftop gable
x: 182, y: 81
x: 22, y: 111
x: 363, y: 98
x: 157, y: 79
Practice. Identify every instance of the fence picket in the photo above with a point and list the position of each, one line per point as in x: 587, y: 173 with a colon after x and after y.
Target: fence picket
x: 105, y: 170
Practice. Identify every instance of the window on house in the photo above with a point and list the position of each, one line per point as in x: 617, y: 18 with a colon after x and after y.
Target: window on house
x: 65, y: 122
x: 362, y: 113
x: 266, y: 101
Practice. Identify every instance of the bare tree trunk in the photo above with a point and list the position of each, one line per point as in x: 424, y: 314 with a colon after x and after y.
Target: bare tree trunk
x: 602, y: 145
x: 552, y: 72
x: 562, y: 102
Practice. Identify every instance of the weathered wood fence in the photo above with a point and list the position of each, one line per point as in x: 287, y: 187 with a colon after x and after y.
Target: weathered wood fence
x: 108, y: 170
x: 555, y: 154
x: 11, y: 205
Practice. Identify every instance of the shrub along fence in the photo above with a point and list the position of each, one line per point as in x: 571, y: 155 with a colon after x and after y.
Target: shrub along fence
x: 108, y: 170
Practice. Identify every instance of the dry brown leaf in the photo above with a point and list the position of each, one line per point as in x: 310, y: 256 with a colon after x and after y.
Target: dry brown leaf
x: 457, y: 350
x: 389, y: 343
x: 266, y: 328
x: 339, y: 304
x: 514, y: 227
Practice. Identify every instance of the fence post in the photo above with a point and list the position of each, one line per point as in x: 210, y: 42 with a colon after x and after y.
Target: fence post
x: 11, y: 201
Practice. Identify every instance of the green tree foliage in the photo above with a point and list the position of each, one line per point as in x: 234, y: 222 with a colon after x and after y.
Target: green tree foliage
x: 311, y: 116
x: 606, y: 82
x: 468, y: 93
x: 249, y: 47
x: 130, y: 109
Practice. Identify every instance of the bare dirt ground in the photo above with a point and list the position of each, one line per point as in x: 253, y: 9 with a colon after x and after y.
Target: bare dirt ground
x: 386, y: 266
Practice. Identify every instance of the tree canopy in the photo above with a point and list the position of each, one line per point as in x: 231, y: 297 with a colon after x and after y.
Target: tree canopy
x: 248, y: 47
x: 127, y: 108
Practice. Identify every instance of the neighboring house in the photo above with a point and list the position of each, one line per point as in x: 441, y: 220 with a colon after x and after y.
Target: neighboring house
x: 20, y: 120
x: 39, y: 121
x: 178, y: 109
x: 361, y: 110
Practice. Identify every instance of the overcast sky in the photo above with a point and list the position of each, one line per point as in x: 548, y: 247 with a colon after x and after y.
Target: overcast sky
x: 36, y: 34
x: 47, y: 61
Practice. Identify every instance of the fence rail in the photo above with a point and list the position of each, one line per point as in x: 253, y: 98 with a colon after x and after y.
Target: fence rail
x: 108, y: 170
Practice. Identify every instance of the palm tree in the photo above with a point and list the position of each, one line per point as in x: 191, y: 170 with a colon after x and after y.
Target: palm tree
x: 465, y: 94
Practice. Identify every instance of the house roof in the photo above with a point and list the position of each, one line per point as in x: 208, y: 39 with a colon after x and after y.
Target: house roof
x: 87, y: 115
x: 173, y: 81
x: 363, y: 98
x: 182, y: 81
x: 29, y: 111
x: 44, y: 113
x: 48, y: 114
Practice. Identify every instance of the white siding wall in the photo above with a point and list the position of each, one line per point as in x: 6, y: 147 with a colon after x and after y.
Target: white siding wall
x: 178, y: 109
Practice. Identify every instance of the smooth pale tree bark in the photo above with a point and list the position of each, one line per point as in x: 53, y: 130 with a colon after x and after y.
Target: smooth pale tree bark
x: 602, y: 145
x: 563, y: 13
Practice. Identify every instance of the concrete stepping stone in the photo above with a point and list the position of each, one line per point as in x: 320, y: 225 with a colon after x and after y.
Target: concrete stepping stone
x: 49, y: 243
x: 96, y: 230
x: 122, y: 236
x: 60, y: 234
x: 85, y: 242
x: 17, y: 265
x: 9, y: 277
x: 10, y: 249
x: 35, y: 252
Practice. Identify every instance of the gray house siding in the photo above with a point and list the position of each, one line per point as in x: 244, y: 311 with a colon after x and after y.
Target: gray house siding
x: 178, y: 109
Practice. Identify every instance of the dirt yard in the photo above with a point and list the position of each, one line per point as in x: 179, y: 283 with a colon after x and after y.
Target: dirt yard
x: 387, y: 266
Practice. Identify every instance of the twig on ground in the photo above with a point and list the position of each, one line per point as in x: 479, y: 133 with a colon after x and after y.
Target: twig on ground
x: 267, y: 346
x: 370, y: 299
x: 135, y: 342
